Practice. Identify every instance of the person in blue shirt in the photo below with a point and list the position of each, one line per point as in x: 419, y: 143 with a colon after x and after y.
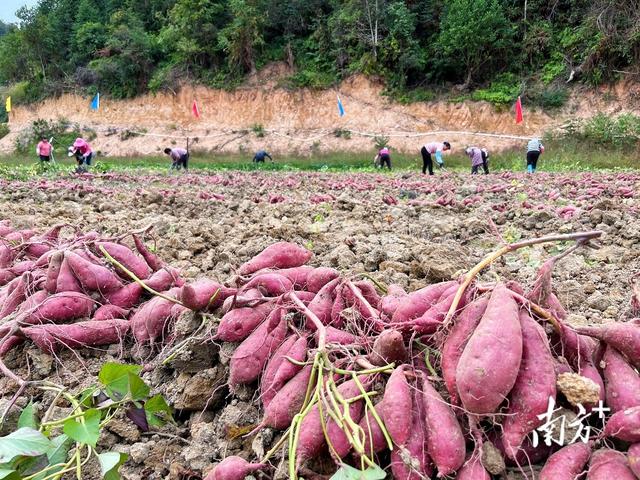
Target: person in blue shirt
x: 260, y: 156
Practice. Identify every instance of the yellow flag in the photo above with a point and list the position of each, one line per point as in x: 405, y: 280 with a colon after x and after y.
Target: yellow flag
x: 8, y: 105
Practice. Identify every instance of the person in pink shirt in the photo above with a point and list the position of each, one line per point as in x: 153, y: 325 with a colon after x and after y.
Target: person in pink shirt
x: 433, y: 148
x: 44, y: 149
x: 383, y: 157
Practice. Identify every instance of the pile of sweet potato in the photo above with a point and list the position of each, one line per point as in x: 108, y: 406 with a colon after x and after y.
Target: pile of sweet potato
x: 454, y: 369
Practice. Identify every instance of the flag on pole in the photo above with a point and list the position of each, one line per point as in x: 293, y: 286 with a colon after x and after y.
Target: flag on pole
x: 7, y: 105
x: 340, y: 107
x: 519, y: 110
x: 194, y: 109
x: 95, y: 103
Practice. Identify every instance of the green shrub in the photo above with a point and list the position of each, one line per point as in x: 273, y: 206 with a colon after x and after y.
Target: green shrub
x: 381, y: 142
x: 258, y: 129
x: 503, y: 90
x: 548, y: 98
x: 4, y: 130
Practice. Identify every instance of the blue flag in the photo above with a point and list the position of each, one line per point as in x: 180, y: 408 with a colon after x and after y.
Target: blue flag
x: 95, y: 103
x: 340, y: 108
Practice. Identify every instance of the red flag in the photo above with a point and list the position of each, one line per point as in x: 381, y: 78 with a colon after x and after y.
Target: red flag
x: 518, y: 110
x: 195, y: 110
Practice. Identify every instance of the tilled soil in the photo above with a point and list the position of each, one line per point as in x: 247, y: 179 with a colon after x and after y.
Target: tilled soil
x: 403, y: 229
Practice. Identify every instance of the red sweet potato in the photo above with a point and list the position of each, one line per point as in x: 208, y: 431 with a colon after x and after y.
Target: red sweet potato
x: 320, y: 277
x: 8, y: 343
x: 164, y: 278
x: 59, y: 308
x: 445, y: 441
x: 6, y: 276
x: 390, y: 302
x: 388, y: 348
x: 237, y: 324
x: 633, y: 456
x: 374, y: 440
x: 149, y: 322
x: 123, y: 254
x: 51, y: 338
x: 53, y: 270
x: 20, y: 236
x: 623, y: 336
x: 16, y: 297
x: 473, y: 470
x: 322, y: 303
x: 233, y: 468
x: 36, y: 249
x: 431, y: 320
x: 535, y: 385
x: 250, y: 298
x: 127, y: 297
x: 398, y: 400
x: 624, y: 425
x: 287, y: 401
x: 66, y: 281
x: 270, y: 284
x: 366, y: 310
x: 92, y: 277
x: 297, y: 276
x: 33, y: 301
x: 622, y: 382
x: 151, y: 258
x: 252, y: 354
x: 340, y: 337
x: 339, y: 305
x: 490, y: 362
x: 418, y: 302
x: 567, y: 463
x: 204, y: 294
x: 287, y: 369
x: 369, y: 293
x: 109, y: 312
x: 267, y: 387
x: 277, y: 255
x: 456, y: 340
x: 23, y: 267
x: 607, y: 465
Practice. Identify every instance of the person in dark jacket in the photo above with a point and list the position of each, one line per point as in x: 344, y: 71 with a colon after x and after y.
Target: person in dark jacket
x: 260, y: 156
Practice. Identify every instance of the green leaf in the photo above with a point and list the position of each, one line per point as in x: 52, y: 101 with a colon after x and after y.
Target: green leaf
x: 23, y: 442
x: 123, y: 380
x: 28, y: 417
x: 87, y: 432
x: 56, y: 455
x: 158, y: 412
x: 9, y: 475
x: 347, y: 472
x: 110, y: 462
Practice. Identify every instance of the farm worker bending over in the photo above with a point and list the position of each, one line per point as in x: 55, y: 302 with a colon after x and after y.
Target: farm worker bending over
x: 44, y: 149
x: 179, y: 157
x: 260, y: 155
x: 478, y: 158
x: 384, y: 157
x: 430, y: 149
x: 82, y: 150
x: 534, y: 149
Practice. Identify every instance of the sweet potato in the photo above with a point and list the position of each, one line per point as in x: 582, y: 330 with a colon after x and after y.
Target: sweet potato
x: 6, y: 276
x: 431, y: 320
x: 590, y: 371
x: 339, y: 305
x: 66, y: 281
x: 33, y: 301
x: 149, y: 322
x: 127, y: 297
x: 8, y: 343
x: 287, y: 369
x: 270, y: 284
x: 320, y: 277
x: 411, y: 461
x: 623, y: 336
x: 374, y: 440
x: 418, y: 302
x: 59, y: 308
x: 151, y: 258
x: 20, y: 236
x: 633, y: 456
x: 456, y: 340
x: 490, y: 362
x: 535, y: 385
x: 204, y: 294
x: 339, y: 337
x: 445, y: 441
x: 16, y: 297
x: 622, y: 382
x: 322, y: 303
x: 473, y: 470
x: 607, y: 465
x: 354, y: 296
x: 51, y: 338
x: 123, y: 254
x: 53, y: 270
x: 390, y: 302
x: 369, y: 293
x: 398, y: 400
x: 109, y: 312
x: 250, y: 298
x: 567, y: 463
x: 23, y: 267
x: 624, y: 425
x: 233, y: 468
x: 388, y: 348
x: 277, y: 255
x: 287, y: 401
x: 252, y: 354
x: 164, y: 278
x: 36, y: 250
x: 237, y: 324
x: 267, y: 388
x: 94, y: 278
x: 297, y: 276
